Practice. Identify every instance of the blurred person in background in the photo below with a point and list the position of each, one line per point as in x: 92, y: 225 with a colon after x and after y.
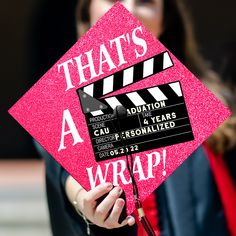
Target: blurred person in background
x: 199, y: 197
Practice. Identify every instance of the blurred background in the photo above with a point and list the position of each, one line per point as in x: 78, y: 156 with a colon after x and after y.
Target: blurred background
x: 28, y: 48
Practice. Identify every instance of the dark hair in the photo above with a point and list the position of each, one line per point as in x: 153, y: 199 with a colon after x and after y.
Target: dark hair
x: 177, y: 35
x: 179, y: 38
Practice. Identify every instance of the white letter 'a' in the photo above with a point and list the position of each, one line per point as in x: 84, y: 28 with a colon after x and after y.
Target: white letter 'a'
x: 72, y: 130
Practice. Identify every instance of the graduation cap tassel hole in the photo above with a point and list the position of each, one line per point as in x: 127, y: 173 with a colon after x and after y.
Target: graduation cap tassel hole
x: 120, y: 112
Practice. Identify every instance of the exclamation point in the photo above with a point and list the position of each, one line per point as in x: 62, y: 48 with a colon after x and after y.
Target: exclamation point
x: 164, y: 163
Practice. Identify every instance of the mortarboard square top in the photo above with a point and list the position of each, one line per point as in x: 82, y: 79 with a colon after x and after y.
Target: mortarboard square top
x: 69, y: 111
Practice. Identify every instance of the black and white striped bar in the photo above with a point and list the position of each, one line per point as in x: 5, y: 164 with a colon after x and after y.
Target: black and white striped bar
x: 144, y: 96
x: 128, y: 76
x: 140, y: 97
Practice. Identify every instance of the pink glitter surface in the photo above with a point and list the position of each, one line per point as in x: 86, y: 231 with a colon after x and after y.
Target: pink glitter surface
x: 40, y: 110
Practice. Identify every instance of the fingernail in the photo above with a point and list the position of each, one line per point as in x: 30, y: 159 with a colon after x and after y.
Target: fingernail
x: 130, y: 220
x: 120, y: 203
x: 119, y: 189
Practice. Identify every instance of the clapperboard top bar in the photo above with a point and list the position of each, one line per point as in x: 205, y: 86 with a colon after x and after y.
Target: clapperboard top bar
x: 121, y: 79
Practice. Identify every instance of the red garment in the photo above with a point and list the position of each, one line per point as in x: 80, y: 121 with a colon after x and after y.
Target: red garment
x: 225, y: 187
x: 150, y: 209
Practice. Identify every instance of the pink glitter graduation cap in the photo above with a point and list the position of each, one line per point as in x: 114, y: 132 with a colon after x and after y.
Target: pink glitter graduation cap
x: 119, y: 64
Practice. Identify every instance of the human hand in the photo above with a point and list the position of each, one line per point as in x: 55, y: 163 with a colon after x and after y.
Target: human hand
x: 105, y: 214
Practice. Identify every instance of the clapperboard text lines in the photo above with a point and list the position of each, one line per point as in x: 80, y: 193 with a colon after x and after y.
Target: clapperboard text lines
x: 154, y: 140
x: 178, y: 104
x: 118, y: 140
x: 148, y: 126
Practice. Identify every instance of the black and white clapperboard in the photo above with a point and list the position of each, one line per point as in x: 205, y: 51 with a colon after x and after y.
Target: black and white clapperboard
x: 155, y: 116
